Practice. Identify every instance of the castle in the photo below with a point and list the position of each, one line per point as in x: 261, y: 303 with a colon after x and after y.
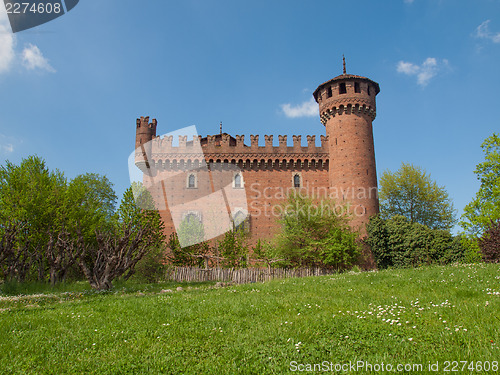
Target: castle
x: 249, y: 181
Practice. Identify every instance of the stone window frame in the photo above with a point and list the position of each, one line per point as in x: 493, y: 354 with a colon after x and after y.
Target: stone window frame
x: 300, y: 180
x: 242, y: 181
x: 195, y: 180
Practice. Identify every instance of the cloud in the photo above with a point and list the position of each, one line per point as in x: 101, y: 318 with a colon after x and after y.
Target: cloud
x: 7, y: 148
x: 305, y: 109
x: 33, y: 59
x: 424, y: 72
x: 7, y: 42
x: 31, y: 56
x: 483, y: 32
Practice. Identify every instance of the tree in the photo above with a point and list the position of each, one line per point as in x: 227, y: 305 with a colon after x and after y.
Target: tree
x: 485, y: 207
x: 47, y: 215
x: 410, y: 192
x: 136, y: 230
x: 31, y: 199
x: 314, y: 234
x: 233, y: 250
x: 187, y: 246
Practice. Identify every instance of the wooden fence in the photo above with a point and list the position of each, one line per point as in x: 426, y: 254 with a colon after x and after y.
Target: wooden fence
x: 240, y: 276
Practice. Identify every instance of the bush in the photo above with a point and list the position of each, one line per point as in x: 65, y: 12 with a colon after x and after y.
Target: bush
x: 152, y: 268
x: 489, y: 243
x: 397, y: 242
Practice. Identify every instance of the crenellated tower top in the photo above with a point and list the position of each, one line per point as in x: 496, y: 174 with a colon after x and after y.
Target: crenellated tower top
x: 346, y: 93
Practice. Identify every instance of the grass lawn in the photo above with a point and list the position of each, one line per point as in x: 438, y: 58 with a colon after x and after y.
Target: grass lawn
x: 415, y: 316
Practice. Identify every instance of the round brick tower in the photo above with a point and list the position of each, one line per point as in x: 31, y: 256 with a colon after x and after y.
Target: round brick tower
x: 347, y: 109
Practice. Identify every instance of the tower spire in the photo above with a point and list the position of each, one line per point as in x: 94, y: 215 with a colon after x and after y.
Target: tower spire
x: 220, y: 127
x: 343, y: 62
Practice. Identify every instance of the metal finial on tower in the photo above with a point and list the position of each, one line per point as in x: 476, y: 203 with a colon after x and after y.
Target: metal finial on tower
x: 343, y: 61
x: 220, y: 128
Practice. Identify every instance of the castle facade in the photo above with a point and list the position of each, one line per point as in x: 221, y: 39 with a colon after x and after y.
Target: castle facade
x: 247, y: 183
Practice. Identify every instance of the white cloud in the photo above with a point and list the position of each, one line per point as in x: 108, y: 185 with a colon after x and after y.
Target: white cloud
x: 7, y: 148
x: 31, y: 56
x: 33, y: 59
x: 483, y: 32
x: 305, y: 109
x: 424, y: 72
x: 7, y: 42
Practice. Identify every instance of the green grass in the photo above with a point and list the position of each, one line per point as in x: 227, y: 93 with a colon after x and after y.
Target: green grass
x: 437, y: 314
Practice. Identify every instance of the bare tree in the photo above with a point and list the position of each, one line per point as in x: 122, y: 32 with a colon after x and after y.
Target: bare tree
x: 61, y: 253
x: 115, y: 255
x: 15, y: 258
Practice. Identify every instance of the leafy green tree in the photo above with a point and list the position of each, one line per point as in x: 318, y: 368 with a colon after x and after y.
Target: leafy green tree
x: 410, y: 192
x: 485, y: 207
x: 31, y: 199
x: 314, y: 234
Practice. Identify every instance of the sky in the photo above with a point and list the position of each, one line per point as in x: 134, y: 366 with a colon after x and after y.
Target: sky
x: 71, y: 89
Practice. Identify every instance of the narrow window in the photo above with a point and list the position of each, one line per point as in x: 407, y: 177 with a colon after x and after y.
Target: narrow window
x: 356, y: 87
x: 329, y: 92
x: 237, y: 181
x: 191, y: 181
x: 368, y: 90
x: 342, y: 88
x: 296, y: 181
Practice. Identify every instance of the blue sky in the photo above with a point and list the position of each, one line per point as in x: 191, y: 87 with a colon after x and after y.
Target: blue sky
x: 71, y: 89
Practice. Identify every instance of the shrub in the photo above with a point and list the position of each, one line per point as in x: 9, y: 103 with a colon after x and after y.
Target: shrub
x: 151, y: 268
x: 397, y: 242
x: 489, y: 243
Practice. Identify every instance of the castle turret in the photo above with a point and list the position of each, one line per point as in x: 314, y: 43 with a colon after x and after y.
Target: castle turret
x: 347, y: 109
x: 144, y: 131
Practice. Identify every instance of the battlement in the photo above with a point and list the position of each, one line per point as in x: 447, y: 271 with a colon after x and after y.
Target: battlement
x: 152, y: 150
x: 226, y: 144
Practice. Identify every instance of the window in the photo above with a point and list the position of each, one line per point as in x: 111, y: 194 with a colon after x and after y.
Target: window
x: 342, y: 88
x: 296, y: 181
x: 329, y: 92
x: 237, y: 181
x: 368, y: 89
x: 191, y: 182
x: 356, y: 87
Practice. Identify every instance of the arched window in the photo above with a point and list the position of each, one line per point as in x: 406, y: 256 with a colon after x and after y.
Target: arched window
x: 296, y: 181
x: 191, y: 181
x: 237, y: 180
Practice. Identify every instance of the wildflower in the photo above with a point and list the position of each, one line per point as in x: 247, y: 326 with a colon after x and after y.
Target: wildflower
x: 410, y: 339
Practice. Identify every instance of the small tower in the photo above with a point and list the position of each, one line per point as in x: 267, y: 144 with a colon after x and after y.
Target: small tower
x: 347, y: 109
x: 144, y: 132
